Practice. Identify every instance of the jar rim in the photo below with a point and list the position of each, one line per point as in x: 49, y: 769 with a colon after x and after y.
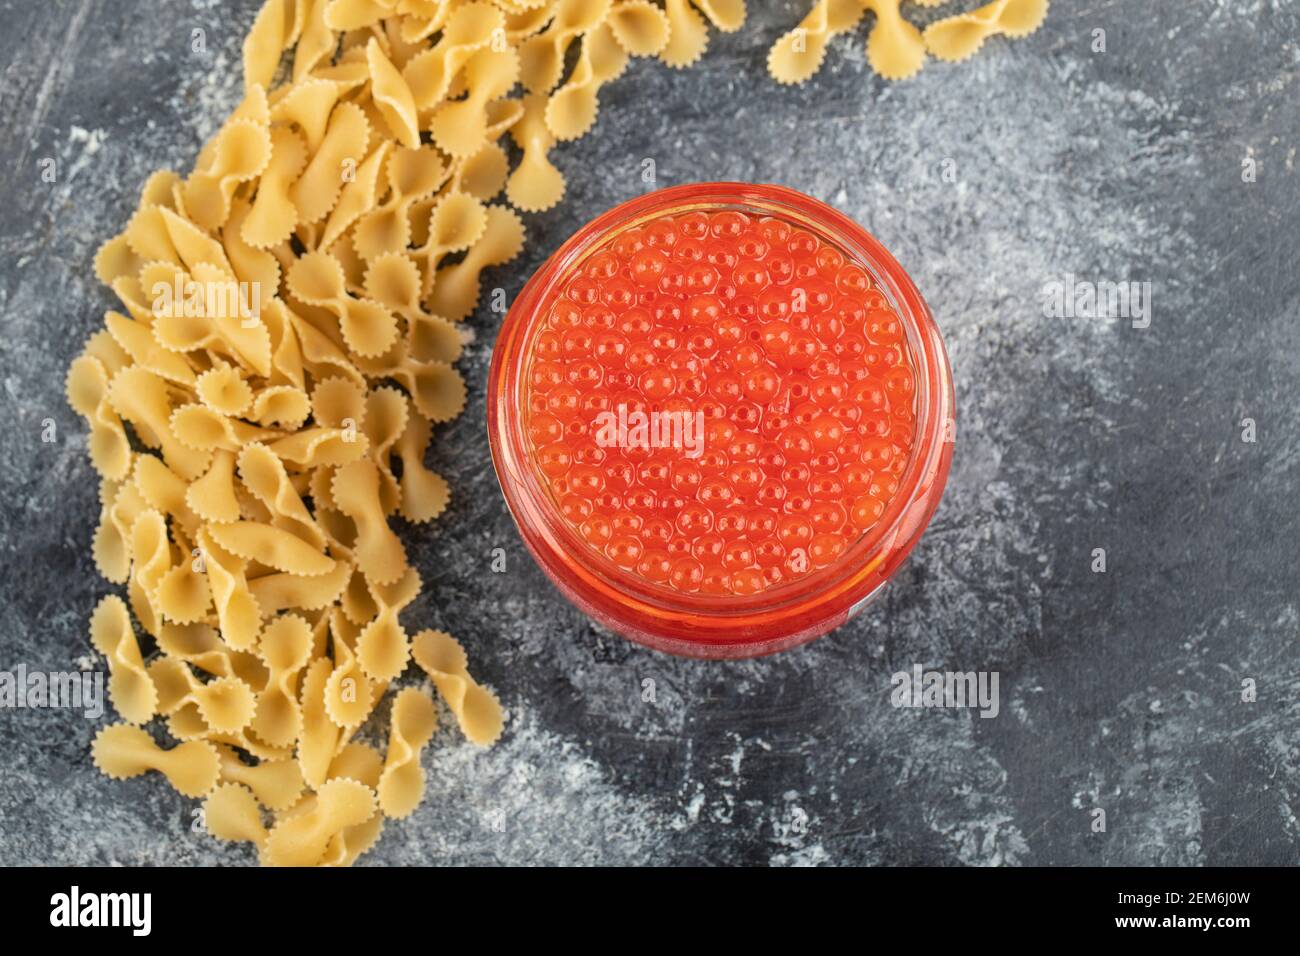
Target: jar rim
x: 609, y: 590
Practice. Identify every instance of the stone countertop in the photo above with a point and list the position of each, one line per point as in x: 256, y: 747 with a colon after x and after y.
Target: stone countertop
x: 1169, y: 159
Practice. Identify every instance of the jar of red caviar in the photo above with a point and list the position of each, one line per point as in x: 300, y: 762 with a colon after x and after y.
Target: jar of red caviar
x: 722, y: 416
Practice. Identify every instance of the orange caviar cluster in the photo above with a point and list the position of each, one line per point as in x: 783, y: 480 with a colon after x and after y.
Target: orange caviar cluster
x: 777, y: 385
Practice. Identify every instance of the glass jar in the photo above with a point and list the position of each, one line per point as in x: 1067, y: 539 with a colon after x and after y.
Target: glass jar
x: 721, y: 625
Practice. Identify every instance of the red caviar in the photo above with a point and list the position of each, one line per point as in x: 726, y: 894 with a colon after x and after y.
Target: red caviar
x: 719, y: 424
x: 720, y: 402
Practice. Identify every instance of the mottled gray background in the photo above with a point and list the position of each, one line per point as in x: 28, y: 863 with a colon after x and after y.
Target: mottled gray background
x: 1119, y: 690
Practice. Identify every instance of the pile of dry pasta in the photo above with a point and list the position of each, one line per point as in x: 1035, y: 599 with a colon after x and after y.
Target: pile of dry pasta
x: 260, y: 408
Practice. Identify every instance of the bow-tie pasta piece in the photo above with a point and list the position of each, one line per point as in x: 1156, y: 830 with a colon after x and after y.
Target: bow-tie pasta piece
x: 436, y: 389
x: 226, y: 704
x: 392, y: 97
x: 541, y: 57
x: 116, y: 259
x: 151, y: 560
x: 270, y: 33
x: 302, y: 840
x: 212, y: 495
x: 459, y: 128
x: 281, y: 591
x: 264, y: 475
x: 394, y: 281
x: 274, y: 547
x: 225, y: 321
x: 164, y: 490
x: 238, y: 614
x: 367, y: 327
x: 379, y: 552
x: 145, y: 351
x: 321, y: 356
x: 425, y: 493
x: 527, y: 18
x: 102, y: 347
x: 281, y: 406
x: 484, y: 174
x: 277, y: 784
x: 476, y: 708
x: 386, y: 413
x: 640, y: 27
x: 958, y: 37
x: 412, y: 173
x: 319, y: 737
x: 273, y: 215
x: 183, y: 594
x: 121, y: 504
x: 223, y: 389
x: 193, y: 247
x: 110, y: 549
x: 317, y: 42
x: 727, y: 15
x: 87, y: 390
x: 129, y: 687
x: 339, y: 403
x: 357, y: 605
x: 344, y: 143
x: 203, y: 429
x: 799, y: 54
x: 358, y: 197
x: 470, y: 28
x: 688, y: 37
x: 242, y: 153
x: 350, y: 696
x: 176, y: 684
x: 232, y: 813
x: 142, y: 399
x: 355, y: 14
x: 199, y: 645
x: 285, y: 649
x: 358, y: 761
x: 314, y: 447
x: 259, y: 269
x: 122, y: 751
x: 536, y: 184
x: 401, y: 786
x: 383, y: 647
x: 456, y: 223
x: 364, y: 764
x: 895, y: 49
x: 455, y: 290
x: 307, y: 105
x: 572, y: 108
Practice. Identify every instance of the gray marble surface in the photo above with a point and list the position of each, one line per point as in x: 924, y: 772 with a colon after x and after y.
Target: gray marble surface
x: 1119, y: 690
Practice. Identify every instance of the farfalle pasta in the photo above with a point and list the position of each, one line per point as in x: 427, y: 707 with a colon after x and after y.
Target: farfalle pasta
x: 401, y: 785
x: 476, y: 708
x: 896, y: 47
x: 571, y: 110
x: 260, y: 404
x: 121, y: 751
x: 130, y: 688
x: 303, y: 839
x: 958, y: 37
